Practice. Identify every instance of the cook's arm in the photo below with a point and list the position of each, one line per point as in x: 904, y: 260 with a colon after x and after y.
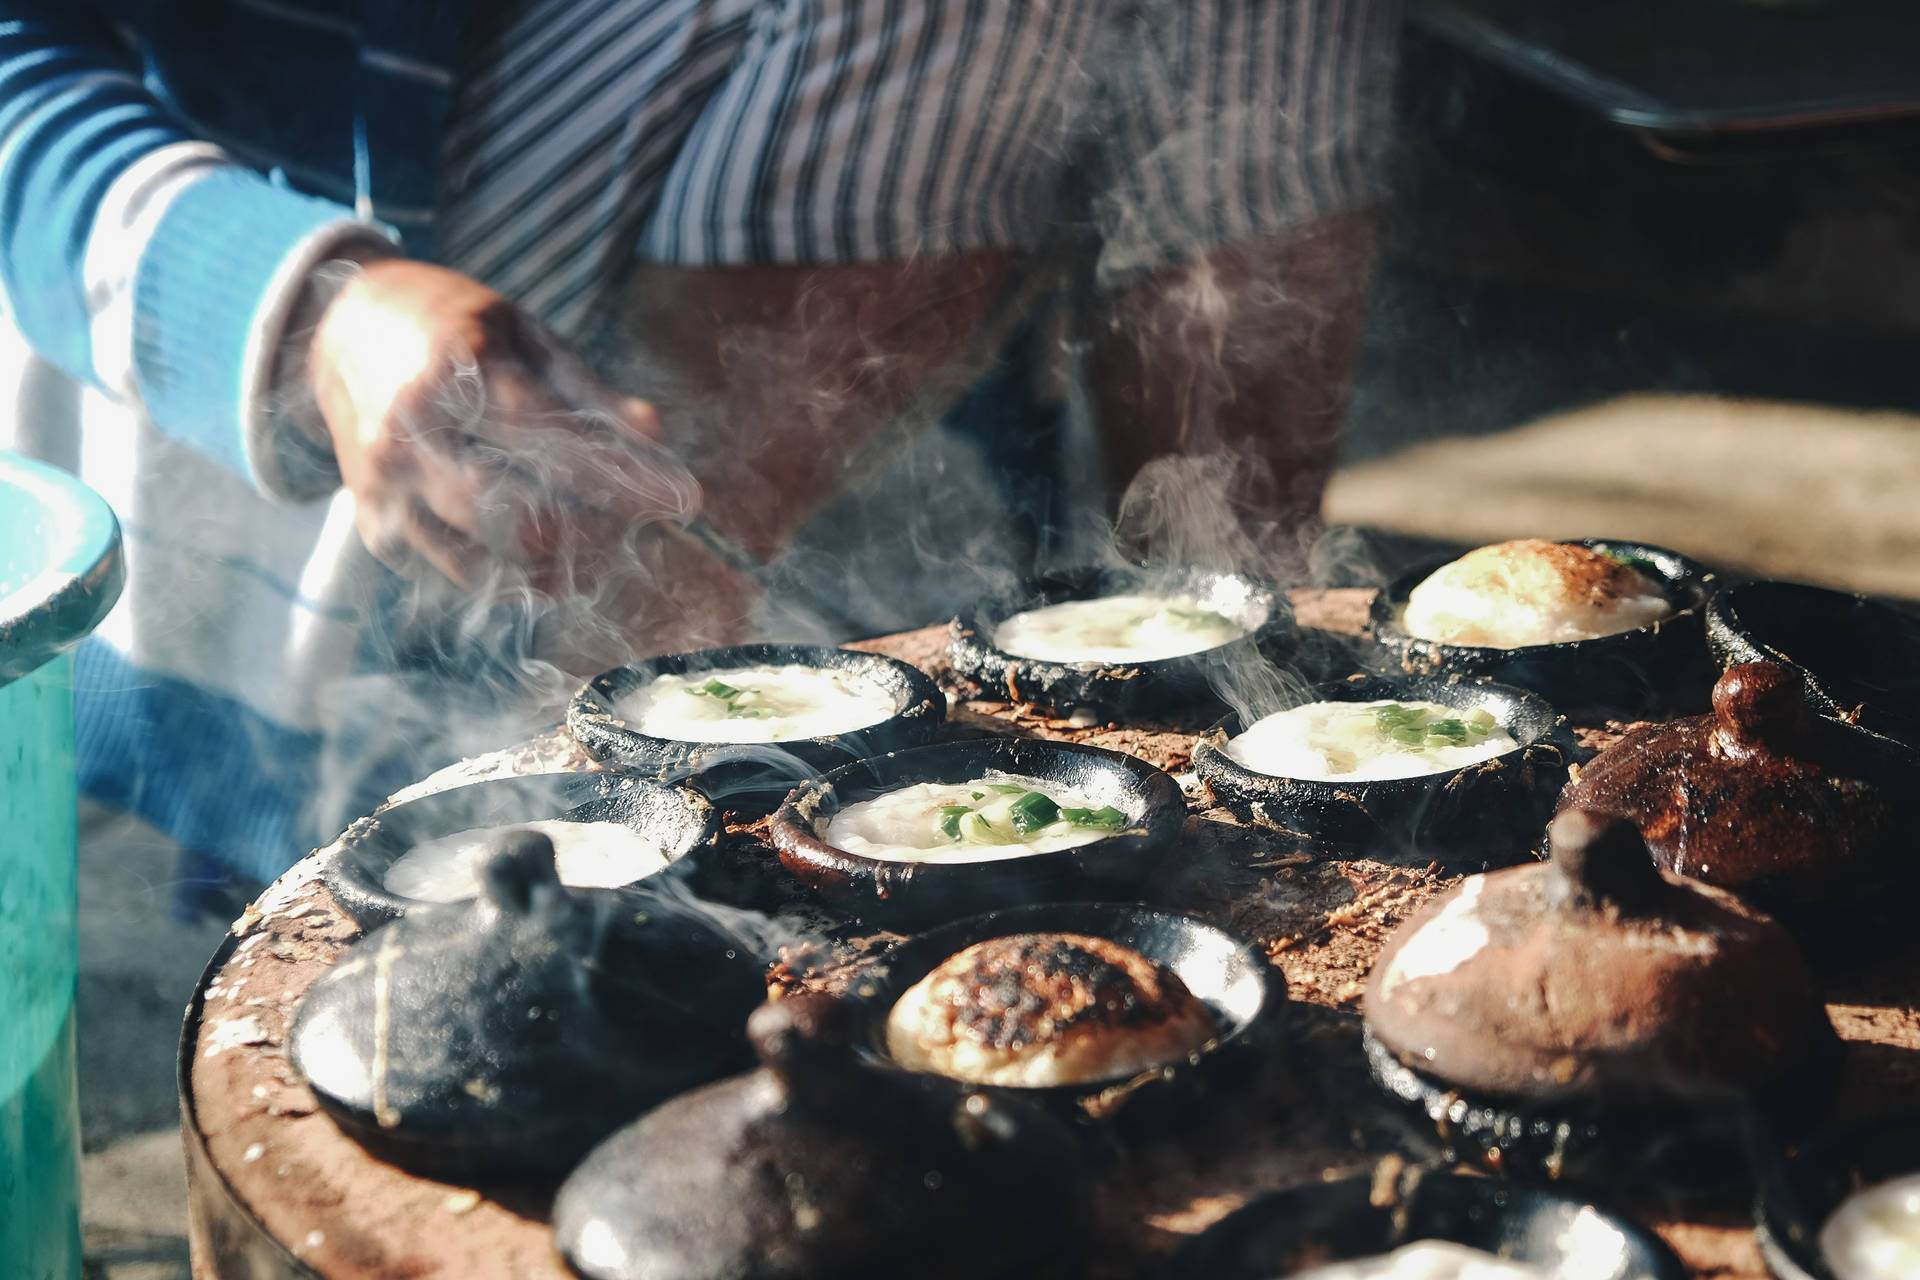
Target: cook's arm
x: 143, y: 261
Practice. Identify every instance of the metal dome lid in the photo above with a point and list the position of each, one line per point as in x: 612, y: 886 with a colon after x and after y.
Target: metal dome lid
x: 1762, y: 796
x: 1595, y: 975
x: 814, y: 1165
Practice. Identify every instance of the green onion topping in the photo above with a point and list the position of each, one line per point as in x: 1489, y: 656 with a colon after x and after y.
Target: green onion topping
x: 1033, y: 811
x: 1106, y: 816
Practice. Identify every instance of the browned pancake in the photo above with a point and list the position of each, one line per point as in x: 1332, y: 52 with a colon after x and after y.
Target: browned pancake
x: 1046, y: 1008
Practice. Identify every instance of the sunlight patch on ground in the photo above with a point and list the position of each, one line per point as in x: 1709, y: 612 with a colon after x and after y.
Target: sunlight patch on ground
x: 1804, y: 492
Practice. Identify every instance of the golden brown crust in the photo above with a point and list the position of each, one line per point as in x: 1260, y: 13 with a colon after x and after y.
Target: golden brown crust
x: 1046, y: 1008
x: 1531, y: 591
x: 1532, y: 568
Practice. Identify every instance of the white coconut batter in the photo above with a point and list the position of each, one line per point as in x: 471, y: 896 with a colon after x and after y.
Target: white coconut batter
x: 756, y: 704
x: 1116, y: 629
x: 1875, y: 1233
x: 978, y: 821
x: 1531, y: 592
x: 1431, y: 1260
x: 588, y: 855
x: 1362, y: 741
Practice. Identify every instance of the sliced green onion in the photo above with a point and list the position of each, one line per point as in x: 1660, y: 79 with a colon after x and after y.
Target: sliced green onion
x: 1639, y: 564
x: 716, y: 689
x: 1033, y: 811
x: 1106, y: 816
x: 950, y: 815
x: 1006, y: 788
x: 979, y: 795
x: 1454, y: 731
x: 1409, y: 734
x: 986, y: 828
x: 1480, y: 720
x: 1394, y: 716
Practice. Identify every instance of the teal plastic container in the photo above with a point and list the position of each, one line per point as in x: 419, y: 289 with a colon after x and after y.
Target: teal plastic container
x: 60, y: 572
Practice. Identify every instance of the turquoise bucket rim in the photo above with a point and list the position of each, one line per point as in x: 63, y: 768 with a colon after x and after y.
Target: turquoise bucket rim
x: 66, y: 597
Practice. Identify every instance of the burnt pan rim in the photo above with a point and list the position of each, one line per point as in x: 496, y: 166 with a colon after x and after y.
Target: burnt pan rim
x: 1521, y: 711
x: 1487, y: 1213
x: 1817, y: 1178
x: 1145, y: 929
x: 1735, y: 636
x: 1115, y: 688
x: 1795, y: 1099
x: 926, y: 894
x: 354, y: 869
x: 919, y: 711
x: 1677, y: 574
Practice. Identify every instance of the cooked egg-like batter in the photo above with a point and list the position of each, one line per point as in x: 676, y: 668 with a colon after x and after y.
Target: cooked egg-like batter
x: 1361, y: 741
x: 991, y: 818
x: 1875, y: 1233
x: 1530, y: 592
x: 1116, y: 629
x: 756, y: 704
x: 588, y: 855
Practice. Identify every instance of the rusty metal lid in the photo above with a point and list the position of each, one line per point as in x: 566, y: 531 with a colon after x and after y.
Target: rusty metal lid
x: 814, y: 1165
x: 1594, y: 975
x: 1763, y: 797
x: 508, y: 1034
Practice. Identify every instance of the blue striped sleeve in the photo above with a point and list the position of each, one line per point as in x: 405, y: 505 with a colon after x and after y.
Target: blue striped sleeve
x: 211, y: 274
x: 72, y: 115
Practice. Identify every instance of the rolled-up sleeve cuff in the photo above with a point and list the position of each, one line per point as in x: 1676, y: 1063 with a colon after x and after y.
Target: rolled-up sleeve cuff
x: 212, y: 294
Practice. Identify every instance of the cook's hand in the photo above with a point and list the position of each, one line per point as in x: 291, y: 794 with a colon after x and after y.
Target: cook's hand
x: 473, y: 441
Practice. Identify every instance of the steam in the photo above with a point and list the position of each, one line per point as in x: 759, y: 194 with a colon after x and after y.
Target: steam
x: 567, y: 534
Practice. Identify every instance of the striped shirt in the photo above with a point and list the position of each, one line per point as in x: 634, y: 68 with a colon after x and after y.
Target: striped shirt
x: 171, y: 172
x: 721, y: 132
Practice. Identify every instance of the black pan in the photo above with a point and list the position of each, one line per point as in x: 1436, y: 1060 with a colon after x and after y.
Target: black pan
x: 1632, y: 671
x: 753, y: 776
x: 1227, y: 973
x: 1119, y: 690
x: 917, y: 894
x: 354, y: 870
x: 1307, y: 1226
x: 1494, y: 808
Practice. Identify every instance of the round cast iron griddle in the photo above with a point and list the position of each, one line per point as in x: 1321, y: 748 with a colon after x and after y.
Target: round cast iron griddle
x: 1306, y: 1226
x: 1226, y: 973
x: 1122, y: 689
x: 1631, y: 670
x: 354, y: 870
x: 1853, y: 654
x: 925, y: 893
x: 741, y: 774
x: 1479, y: 807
